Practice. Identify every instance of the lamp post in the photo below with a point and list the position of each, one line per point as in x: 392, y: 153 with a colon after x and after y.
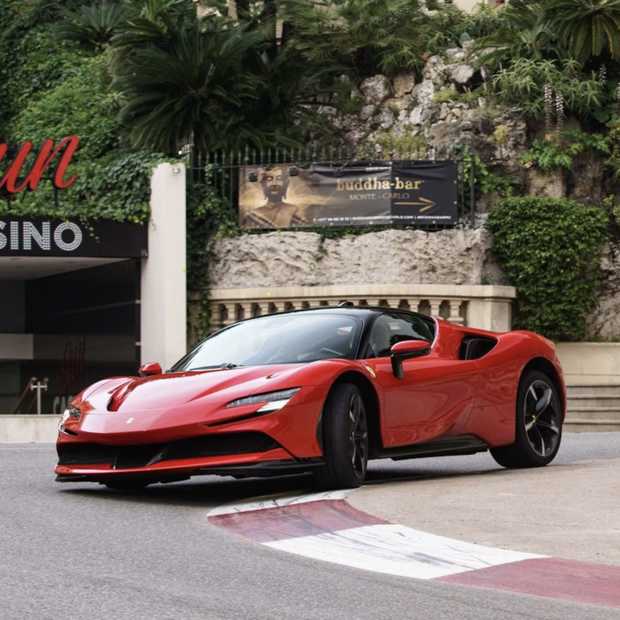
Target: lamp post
x: 38, y: 386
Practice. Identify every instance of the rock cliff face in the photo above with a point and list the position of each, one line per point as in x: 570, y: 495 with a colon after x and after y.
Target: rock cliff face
x: 386, y: 257
x: 604, y: 321
x: 436, y: 114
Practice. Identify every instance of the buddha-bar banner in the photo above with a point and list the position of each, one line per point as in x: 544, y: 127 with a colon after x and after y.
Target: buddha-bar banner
x: 358, y: 194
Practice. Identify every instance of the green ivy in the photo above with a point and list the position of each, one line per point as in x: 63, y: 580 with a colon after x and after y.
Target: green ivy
x: 613, y: 136
x: 209, y: 215
x: 485, y: 180
x: 550, y: 249
x: 116, y: 188
x: 82, y: 104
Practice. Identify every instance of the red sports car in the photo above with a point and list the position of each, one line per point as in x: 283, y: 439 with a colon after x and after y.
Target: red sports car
x: 320, y: 390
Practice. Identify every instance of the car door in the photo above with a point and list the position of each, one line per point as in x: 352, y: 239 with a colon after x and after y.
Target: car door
x: 436, y: 392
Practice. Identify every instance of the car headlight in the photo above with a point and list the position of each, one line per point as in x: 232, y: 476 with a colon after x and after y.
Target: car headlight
x: 70, y: 413
x: 273, y: 400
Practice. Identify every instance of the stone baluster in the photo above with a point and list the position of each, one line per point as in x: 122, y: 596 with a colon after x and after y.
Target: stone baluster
x: 231, y: 316
x: 413, y: 302
x: 263, y: 308
x: 435, y: 303
x: 455, y: 311
x: 246, y: 309
x: 393, y: 302
x: 215, y: 315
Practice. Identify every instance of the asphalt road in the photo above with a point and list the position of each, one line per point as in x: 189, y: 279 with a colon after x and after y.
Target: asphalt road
x: 80, y: 551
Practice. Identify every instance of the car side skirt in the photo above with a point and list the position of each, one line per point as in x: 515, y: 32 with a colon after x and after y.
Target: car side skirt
x: 446, y: 446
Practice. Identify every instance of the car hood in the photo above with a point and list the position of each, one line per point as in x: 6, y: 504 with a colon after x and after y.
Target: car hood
x: 137, y: 394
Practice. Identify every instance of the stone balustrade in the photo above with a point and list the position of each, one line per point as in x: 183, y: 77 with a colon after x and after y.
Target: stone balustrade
x: 483, y: 306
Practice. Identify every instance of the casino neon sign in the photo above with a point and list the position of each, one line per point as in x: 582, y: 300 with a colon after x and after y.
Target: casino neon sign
x: 18, y: 178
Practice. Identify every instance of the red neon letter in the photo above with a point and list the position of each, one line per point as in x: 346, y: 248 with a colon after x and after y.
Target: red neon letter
x: 46, y: 156
x: 70, y: 144
x: 12, y: 174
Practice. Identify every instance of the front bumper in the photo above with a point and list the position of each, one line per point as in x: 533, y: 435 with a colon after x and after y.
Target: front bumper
x: 99, y: 448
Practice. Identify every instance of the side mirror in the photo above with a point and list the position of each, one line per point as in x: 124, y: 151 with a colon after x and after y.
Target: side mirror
x: 405, y: 350
x: 150, y: 369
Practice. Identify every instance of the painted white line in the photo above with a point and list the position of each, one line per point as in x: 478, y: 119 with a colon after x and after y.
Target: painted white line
x: 398, y: 550
x: 275, y: 502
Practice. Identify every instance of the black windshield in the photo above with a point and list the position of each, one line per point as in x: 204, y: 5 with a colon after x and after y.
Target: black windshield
x: 278, y: 339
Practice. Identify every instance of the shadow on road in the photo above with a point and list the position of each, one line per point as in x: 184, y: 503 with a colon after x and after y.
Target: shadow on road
x: 209, y: 491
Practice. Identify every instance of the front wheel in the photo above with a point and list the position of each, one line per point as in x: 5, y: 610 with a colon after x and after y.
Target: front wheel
x: 345, y: 439
x: 538, y: 424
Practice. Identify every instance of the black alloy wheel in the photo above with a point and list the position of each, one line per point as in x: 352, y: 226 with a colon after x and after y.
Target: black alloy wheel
x: 345, y: 439
x: 358, y: 438
x: 539, y: 419
x: 542, y: 423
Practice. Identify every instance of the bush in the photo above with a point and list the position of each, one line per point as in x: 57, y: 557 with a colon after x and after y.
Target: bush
x: 81, y: 104
x: 550, y: 249
x: 34, y: 58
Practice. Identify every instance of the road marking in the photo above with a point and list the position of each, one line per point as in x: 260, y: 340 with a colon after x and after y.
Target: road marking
x: 323, y: 526
x: 398, y: 550
x: 582, y: 582
x: 271, y: 501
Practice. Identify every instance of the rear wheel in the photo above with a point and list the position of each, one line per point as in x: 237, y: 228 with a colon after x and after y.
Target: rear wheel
x: 345, y: 439
x: 538, y: 424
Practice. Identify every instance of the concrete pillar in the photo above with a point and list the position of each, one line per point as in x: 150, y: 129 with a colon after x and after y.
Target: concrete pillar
x: 163, y: 310
x: 491, y: 314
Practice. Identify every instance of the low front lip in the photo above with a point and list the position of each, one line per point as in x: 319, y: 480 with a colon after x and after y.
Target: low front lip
x: 175, y: 466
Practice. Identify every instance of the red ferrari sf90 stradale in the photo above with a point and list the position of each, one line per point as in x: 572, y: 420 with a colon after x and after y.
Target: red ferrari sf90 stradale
x: 321, y: 390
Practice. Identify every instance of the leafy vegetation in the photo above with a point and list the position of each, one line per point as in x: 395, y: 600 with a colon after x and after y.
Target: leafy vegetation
x: 588, y: 30
x: 558, y: 151
x: 550, y: 249
x: 81, y: 104
x: 144, y: 80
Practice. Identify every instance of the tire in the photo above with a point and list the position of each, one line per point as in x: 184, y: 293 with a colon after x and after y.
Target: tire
x: 345, y: 439
x: 539, y: 419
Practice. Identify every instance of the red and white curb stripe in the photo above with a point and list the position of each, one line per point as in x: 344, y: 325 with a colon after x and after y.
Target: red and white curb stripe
x: 325, y: 527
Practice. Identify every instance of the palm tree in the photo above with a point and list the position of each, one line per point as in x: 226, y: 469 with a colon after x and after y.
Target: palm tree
x: 590, y: 29
x: 93, y: 26
x: 184, y: 83
x: 524, y: 32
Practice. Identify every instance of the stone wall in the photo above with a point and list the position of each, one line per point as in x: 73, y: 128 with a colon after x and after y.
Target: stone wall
x: 460, y: 256
x: 604, y: 322
x: 453, y: 256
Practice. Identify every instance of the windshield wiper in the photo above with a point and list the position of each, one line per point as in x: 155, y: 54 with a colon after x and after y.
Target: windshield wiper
x: 223, y: 366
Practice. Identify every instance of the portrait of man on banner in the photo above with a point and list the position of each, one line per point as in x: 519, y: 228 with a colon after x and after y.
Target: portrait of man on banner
x: 274, y: 210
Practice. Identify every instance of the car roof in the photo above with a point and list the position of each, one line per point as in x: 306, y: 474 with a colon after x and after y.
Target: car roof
x: 365, y: 311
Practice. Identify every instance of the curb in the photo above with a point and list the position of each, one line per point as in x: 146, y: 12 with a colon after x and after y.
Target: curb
x: 326, y: 527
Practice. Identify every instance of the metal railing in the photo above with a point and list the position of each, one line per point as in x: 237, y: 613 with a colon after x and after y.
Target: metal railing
x: 221, y: 169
